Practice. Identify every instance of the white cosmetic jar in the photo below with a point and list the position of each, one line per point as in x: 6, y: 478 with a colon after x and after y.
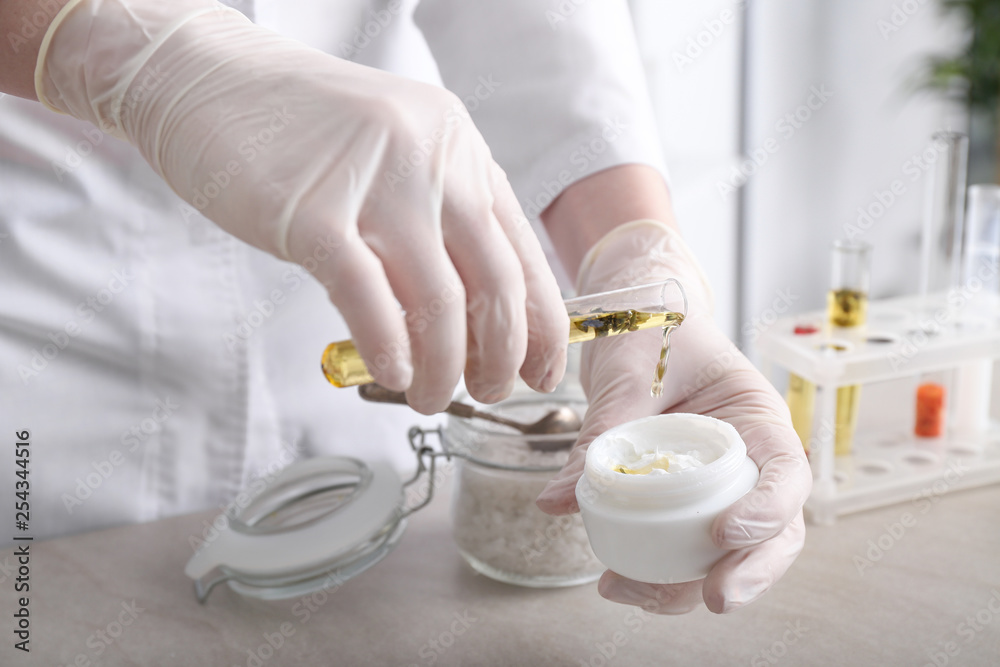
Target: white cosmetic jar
x: 656, y: 527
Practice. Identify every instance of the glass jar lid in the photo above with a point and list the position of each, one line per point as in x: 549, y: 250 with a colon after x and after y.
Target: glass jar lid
x: 317, y: 522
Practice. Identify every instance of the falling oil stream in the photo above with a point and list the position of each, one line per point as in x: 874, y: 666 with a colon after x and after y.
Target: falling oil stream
x: 661, y: 366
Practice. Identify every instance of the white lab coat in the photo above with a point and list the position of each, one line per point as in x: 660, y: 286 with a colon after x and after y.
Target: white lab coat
x: 157, y: 362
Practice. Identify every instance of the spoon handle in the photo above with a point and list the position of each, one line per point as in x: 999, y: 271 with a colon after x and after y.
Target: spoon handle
x: 489, y: 416
x: 377, y: 394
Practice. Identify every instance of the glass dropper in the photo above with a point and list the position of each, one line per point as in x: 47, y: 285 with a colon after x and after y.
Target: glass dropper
x: 592, y: 316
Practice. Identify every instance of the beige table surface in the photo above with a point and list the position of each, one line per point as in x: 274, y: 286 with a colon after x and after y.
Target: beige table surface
x: 904, y: 609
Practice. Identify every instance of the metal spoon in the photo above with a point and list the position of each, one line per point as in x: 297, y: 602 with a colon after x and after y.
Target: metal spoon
x: 561, y: 420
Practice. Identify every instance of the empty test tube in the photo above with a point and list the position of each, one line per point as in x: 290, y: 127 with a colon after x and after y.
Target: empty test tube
x: 944, y: 209
x: 980, y: 267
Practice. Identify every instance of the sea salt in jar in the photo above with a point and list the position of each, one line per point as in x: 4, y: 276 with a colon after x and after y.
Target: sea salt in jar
x: 496, y: 525
x: 651, y: 489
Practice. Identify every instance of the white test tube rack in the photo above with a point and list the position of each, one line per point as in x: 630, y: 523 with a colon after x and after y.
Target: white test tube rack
x: 904, y: 337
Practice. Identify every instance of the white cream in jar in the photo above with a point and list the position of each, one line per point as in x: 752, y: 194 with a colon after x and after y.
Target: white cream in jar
x: 627, y: 454
x: 651, y: 489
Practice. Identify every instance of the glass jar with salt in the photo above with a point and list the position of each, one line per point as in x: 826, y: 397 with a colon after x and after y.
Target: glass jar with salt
x: 499, y: 473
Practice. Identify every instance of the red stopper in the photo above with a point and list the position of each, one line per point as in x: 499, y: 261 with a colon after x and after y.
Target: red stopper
x: 930, y: 411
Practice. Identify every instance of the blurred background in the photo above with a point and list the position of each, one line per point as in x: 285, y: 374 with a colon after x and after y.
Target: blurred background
x: 779, y: 121
x: 752, y: 88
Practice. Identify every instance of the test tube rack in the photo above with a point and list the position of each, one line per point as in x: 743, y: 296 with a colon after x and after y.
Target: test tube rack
x: 905, y: 337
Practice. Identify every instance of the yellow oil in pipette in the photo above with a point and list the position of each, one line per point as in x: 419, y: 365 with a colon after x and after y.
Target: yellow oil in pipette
x: 343, y: 366
x: 598, y: 325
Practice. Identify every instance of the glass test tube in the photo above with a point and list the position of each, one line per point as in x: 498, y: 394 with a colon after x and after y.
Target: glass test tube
x: 941, y: 236
x: 981, y: 255
x: 801, y: 399
x: 847, y: 308
x: 979, y: 277
x: 661, y: 304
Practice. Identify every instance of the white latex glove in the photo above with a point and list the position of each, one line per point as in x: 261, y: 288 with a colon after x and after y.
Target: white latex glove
x: 381, y: 186
x: 706, y: 375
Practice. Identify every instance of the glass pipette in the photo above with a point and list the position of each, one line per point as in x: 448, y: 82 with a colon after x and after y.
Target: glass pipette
x: 662, y: 304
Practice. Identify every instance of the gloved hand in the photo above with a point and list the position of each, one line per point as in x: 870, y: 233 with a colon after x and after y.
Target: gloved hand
x: 380, y: 186
x: 706, y: 375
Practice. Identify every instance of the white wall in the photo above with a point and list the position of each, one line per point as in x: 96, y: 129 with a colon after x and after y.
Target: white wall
x: 861, y: 140
x: 812, y: 178
x: 691, y: 54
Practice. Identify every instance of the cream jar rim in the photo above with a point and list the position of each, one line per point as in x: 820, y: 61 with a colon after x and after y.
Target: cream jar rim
x: 717, y: 473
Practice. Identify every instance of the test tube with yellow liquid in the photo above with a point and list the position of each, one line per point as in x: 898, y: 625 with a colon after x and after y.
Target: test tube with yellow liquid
x: 660, y: 305
x: 847, y: 311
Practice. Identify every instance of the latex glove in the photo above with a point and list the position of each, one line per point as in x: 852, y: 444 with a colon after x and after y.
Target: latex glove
x: 706, y: 375
x: 380, y: 186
